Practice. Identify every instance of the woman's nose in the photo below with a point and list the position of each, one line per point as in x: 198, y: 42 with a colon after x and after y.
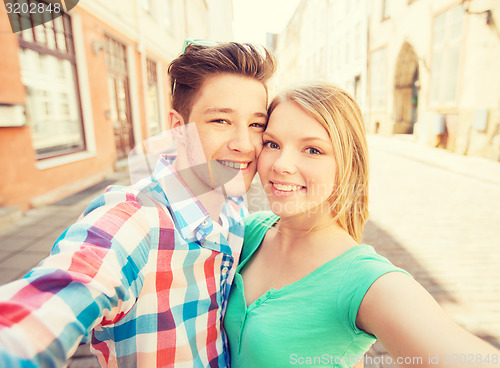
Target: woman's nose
x: 285, y: 163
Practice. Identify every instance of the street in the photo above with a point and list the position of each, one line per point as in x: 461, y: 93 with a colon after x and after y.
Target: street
x: 441, y: 225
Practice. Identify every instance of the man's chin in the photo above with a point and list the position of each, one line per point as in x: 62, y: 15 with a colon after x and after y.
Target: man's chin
x: 230, y: 190
x: 229, y: 181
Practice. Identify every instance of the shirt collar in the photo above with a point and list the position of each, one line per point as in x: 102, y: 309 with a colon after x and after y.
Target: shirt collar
x: 190, y: 217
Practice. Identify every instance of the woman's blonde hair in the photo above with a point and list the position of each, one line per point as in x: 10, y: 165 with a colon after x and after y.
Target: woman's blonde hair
x: 341, y: 116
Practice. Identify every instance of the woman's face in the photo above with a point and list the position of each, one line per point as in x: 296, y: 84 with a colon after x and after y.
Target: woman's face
x: 297, y: 164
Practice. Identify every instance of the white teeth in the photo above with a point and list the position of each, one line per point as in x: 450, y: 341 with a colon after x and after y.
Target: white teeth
x: 286, y: 188
x: 235, y: 165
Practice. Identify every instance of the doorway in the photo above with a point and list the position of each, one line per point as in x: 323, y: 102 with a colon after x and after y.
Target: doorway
x: 406, y: 90
x: 119, y: 95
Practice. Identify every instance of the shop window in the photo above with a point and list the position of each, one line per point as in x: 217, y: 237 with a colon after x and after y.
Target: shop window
x: 48, y: 71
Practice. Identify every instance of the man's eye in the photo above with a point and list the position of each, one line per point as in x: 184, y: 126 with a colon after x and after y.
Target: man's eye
x: 220, y: 121
x: 313, y: 151
x: 258, y: 125
x: 270, y: 144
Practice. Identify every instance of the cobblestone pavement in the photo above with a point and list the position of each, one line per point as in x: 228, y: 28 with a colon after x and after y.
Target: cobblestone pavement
x: 433, y: 213
x: 436, y: 215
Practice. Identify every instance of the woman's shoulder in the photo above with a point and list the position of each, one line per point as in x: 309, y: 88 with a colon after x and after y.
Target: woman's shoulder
x: 366, y: 260
x: 361, y: 266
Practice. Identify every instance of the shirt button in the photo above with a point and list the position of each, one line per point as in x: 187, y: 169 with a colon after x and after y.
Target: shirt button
x: 204, y: 223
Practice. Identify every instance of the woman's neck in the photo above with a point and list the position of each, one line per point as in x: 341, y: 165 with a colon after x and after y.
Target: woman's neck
x: 294, y: 232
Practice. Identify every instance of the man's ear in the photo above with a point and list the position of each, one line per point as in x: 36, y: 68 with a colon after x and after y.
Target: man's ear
x: 176, y: 123
x: 175, y: 119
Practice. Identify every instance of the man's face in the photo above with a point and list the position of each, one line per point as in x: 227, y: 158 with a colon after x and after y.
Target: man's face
x: 230, y: 115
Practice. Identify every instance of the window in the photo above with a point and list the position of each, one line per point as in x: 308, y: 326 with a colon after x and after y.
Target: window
x: 386, y: 8
x: 152, y: 99
x: 48, y: 70
x: 378, y: 90
x: 147, y: 5
x: 347, y: 47
x: 340, y: 52
x: 167, y: 14
x: 357, y: 88
x: 331, y: 56
x: 446, y: 53
x: 357, y: 42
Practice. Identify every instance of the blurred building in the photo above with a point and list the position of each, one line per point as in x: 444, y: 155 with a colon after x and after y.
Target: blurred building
x: 78, y: 92
x: 426, y: 68
x: 434, y: 72
x: 326, y: 40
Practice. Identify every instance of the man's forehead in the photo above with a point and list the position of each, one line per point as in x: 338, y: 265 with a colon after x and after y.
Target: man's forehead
x: 230, y: 82
x: 231, y: 94
x: 224, y: 110
x: 228, y: 110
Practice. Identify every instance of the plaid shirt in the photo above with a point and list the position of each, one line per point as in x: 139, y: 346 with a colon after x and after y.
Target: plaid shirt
x: 144, y: 270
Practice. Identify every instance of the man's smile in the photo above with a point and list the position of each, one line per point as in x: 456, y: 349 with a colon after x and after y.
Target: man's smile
x: 235, y: 164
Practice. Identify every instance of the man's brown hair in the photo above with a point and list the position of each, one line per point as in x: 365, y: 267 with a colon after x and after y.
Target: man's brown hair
x: 189, y: 70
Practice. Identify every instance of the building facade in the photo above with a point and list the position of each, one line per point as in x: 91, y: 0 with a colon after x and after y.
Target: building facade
x: 434, y: 75
x: 425, y: 68
x: 81, y: 90
x: 326, y: 40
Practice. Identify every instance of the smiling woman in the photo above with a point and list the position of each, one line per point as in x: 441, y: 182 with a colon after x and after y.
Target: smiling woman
x: 297, y: 172
x: 306, y: 291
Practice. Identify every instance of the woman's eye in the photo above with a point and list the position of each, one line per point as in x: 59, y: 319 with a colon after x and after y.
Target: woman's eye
x: 270, y: 144
x: 313, y: 151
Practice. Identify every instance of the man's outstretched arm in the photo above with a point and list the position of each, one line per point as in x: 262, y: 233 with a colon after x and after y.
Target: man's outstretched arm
x: 89, y: 279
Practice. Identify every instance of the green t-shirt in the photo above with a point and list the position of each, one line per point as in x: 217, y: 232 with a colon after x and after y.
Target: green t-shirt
x: 311, y: 322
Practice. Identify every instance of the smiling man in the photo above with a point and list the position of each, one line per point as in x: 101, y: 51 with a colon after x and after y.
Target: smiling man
x: 145, y: 273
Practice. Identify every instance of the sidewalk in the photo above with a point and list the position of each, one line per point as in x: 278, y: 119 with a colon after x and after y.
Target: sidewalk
x: 24, y: 244
x: 471, y: 166
x: 435, y: 214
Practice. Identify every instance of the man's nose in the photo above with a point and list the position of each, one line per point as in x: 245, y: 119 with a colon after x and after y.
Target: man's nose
x: 241, y: 140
